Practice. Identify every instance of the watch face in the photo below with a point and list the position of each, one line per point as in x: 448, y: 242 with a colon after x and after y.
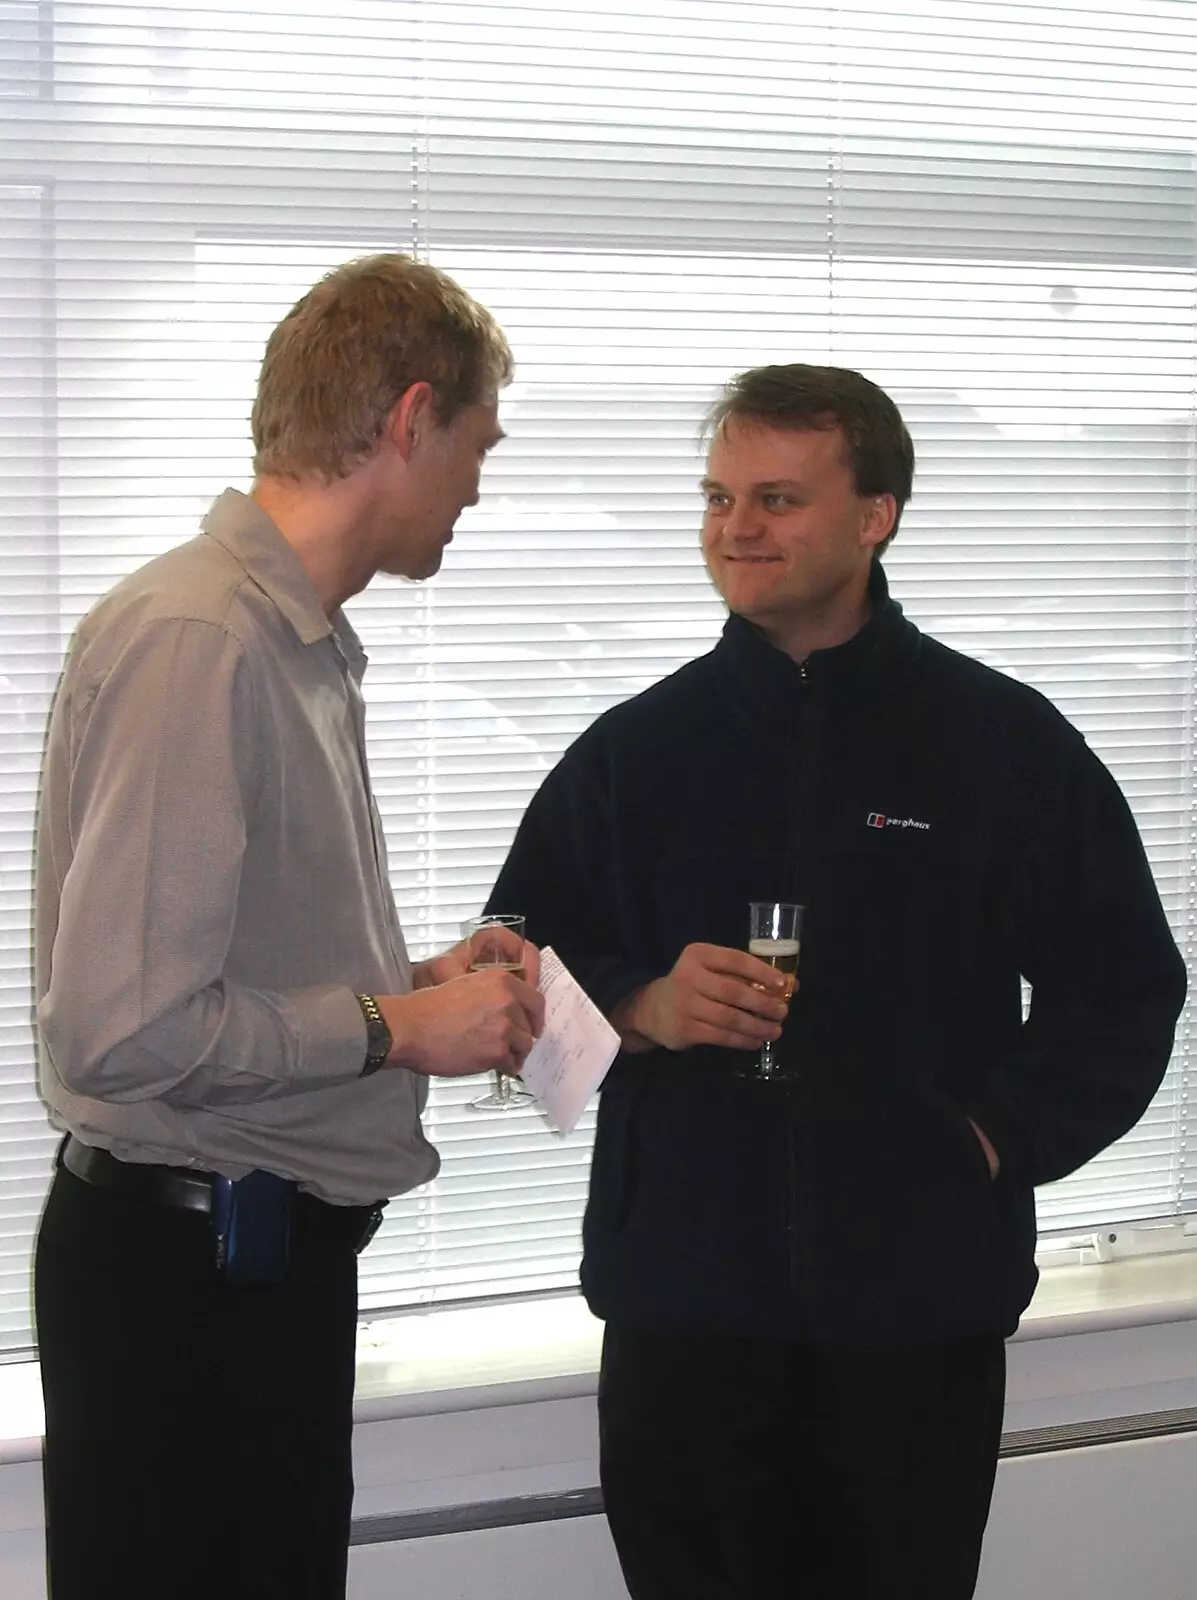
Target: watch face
x: 376, y: 1056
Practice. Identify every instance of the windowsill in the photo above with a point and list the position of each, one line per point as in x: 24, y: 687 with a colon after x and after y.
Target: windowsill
x: 480, y: 1357
x: 484, y: 1356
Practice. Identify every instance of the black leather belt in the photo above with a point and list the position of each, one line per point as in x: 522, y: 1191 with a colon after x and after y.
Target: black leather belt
x: 189, y: 1189
x: 182, y: 1187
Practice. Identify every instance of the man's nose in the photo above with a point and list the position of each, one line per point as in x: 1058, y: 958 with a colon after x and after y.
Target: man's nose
x: 742, y: 522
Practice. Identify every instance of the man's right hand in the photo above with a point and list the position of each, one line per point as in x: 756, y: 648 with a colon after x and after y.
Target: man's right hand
x: 480, y: 1022
x: 713, y: 995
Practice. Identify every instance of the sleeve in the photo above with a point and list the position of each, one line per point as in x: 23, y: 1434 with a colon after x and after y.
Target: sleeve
x: 163, y: 760
x: 568, y: 873
x: 1108, y: 983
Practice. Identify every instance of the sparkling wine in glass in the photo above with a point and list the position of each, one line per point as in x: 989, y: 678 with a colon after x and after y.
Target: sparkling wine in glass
x: 497, y: 945
x: 775, y: 936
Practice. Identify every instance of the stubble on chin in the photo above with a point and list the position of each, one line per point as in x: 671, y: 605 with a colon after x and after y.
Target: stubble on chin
x: 416, y: 567
x: 742, y: 595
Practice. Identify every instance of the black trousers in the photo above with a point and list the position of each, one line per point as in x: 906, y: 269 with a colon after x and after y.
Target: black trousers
x: 198, y: 1437
x: 757, y: 1469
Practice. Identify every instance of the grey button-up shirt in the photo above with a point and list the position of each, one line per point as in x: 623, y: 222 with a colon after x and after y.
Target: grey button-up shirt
x: 211, y: 879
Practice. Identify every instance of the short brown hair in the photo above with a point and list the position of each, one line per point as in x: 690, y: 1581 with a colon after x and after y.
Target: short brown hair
x: 880, y: 450
x: 355, y: 343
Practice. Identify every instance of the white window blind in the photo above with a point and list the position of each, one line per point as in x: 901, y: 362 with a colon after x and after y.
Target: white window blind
x: 988, y: 207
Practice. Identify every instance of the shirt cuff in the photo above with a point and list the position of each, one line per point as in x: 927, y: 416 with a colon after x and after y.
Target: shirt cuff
x: 331, y: 1031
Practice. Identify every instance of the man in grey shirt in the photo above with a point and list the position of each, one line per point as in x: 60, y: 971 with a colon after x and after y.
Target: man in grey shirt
x: 234, y: 1040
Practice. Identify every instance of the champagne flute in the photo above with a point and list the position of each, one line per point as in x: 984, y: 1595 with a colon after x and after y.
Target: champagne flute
x: 775, y: 936
x: 496, y: 944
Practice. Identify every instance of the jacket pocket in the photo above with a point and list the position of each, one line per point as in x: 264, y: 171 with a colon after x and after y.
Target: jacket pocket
x: 900, y: 1232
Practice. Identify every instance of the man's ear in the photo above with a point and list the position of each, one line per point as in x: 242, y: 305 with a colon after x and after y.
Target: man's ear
x: 881, y: 512
x: 409, y: 418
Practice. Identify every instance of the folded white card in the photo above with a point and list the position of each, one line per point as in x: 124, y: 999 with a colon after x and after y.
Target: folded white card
x: 570, y: 1059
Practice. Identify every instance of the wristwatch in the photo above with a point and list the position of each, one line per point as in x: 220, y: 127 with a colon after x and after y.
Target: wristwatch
x: 378, y: 1035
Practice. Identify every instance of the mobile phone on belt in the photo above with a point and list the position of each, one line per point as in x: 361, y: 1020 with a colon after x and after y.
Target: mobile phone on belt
x: 251, y: 1227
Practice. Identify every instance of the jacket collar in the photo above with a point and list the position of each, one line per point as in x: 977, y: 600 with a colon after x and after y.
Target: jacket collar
x: 877, y: 654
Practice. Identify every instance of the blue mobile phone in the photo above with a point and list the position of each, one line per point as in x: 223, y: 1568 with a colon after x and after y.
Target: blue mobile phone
x: 251, y: 1227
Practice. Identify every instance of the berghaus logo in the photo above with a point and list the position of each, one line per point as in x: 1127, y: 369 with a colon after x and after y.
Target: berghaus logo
x: 878, y: 819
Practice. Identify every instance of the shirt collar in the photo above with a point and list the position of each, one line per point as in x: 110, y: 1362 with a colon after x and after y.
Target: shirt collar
x: 253, y: 540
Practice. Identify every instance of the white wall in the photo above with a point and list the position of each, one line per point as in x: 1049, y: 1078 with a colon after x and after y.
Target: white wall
x: 1115, y: 1522
x: 22, y: 1540
x: 572, y: 1560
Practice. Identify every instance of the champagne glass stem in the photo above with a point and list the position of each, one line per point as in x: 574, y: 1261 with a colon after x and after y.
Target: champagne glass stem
x: 774, y: 936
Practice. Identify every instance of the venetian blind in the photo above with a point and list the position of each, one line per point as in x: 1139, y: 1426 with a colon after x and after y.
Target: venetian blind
x: 988, y: 207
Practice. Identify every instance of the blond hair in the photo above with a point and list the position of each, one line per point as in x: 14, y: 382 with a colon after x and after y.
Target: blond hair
x: 341, y: 357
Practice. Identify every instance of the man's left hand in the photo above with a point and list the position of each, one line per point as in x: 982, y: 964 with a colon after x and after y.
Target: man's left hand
x: 455, y: 963
x: 450, y: 964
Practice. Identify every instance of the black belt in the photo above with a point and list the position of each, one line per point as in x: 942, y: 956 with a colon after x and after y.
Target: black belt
x: 189, y: 1189
x: 183, y: 1187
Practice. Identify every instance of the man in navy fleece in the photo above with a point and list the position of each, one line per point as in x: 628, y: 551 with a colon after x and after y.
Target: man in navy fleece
x: 807, y: 1283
